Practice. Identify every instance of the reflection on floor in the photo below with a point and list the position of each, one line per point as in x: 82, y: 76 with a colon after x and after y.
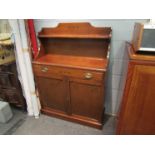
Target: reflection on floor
x: 46, y: 125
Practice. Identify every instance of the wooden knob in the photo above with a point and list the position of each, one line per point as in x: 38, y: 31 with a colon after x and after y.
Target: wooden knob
x: 88, y: 75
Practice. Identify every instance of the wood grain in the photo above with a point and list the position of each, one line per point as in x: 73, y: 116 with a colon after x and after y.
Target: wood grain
x: 76, y: 30
x: 137, y: 36
x: 97, y: 64
x: 137, y: 108
x: 70, y: 71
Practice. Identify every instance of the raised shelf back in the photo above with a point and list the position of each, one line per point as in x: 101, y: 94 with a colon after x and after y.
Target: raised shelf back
x: 75, y: 39
x: 76, y: 30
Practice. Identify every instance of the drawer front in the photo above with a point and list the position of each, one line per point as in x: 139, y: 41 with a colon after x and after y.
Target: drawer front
x: 5, y: 80
x: 2, y: 95
x: 8, y: 80
x: 12, y: 96
x: 60, y: 72
x: 11, y: 68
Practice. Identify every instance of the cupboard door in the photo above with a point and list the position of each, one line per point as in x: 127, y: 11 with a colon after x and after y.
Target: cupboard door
x: 86, y: 100
x: 139, y: 113
x: 52, y: 93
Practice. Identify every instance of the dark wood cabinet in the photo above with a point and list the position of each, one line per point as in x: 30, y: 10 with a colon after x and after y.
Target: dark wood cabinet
x: 87, y: 100
x: 10, y: 88
x: 70, y: 70
x: 137, y: 111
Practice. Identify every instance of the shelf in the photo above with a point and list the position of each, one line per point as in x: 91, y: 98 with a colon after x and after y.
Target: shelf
x: 76, y: 36
x: 73, y: 62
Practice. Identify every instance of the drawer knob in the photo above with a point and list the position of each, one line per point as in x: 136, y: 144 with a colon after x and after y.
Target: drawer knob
x: 88, y: 75
x: 45, y: 69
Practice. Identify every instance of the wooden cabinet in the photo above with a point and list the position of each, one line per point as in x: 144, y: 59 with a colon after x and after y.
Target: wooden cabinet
x: 10, y: 88
x: 70, y: 70
x: 137, y: 112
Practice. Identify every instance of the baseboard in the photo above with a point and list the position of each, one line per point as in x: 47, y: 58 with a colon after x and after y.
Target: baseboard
x: 73, y: 118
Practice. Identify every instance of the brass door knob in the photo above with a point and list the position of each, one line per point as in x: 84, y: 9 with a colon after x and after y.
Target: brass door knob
x: 88, y: 75
x: 45, y: 69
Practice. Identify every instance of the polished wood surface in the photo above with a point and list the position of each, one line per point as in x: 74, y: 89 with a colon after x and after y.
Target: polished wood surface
x: 137, y: 109
x: 76, y: 30
x: 76, y: 47
x: 70, y: 70
x: 87, y: 100
x: 137, y: 36
x: 73, y: 62
x: 56, y: 72
x: 57, y: 87
x: 142, y: 56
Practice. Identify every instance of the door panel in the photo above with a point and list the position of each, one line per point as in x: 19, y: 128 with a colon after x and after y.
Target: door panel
x: 52, y: 93
x: 86, y: 100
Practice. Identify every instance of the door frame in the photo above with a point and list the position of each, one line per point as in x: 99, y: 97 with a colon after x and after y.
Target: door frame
x: 24, y: 66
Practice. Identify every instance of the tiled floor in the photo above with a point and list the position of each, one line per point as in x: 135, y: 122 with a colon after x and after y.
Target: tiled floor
x: 46, y: 125
x: 51, y: 126
x: 17, y: 120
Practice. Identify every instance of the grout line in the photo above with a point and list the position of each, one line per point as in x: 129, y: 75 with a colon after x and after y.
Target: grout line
x: 15, y: 127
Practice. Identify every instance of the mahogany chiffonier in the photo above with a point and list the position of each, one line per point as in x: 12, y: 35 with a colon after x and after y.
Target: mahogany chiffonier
x: 70, y: 71
x: 137, y: 110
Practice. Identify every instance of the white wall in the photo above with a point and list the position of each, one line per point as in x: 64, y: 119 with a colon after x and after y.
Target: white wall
x: 4, y: 26
x: 122, y: 31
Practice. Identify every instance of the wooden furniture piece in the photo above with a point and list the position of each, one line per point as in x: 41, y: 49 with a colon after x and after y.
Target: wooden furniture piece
x: 70, y: 71
x: 10, y: 88
x: 137, y: 111
x: 144, y: 37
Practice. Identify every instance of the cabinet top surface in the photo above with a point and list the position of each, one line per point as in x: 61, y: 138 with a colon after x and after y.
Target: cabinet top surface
x: 76, y: 30
x: 90, y: 63
x: 135, y: 56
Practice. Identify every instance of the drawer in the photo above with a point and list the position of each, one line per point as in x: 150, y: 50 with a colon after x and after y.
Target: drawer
x: 11, y: 95
x: 10, y: 68
x: 60, y: 72
x: 2, y: 95
x: 4, y: 68
x: 5, y: 80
